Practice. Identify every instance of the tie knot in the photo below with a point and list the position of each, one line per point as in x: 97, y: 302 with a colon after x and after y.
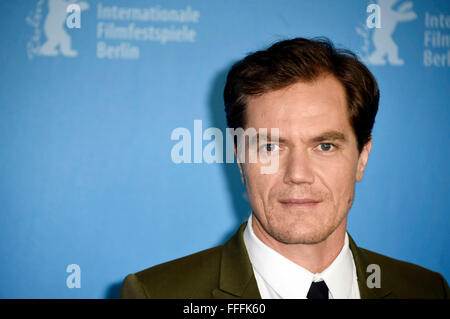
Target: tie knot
x: 318, y: 290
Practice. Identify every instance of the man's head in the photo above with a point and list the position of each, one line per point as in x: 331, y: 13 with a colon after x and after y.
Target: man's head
x: 323, y: 102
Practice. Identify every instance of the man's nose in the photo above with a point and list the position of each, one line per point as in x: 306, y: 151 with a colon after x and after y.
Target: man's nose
x: 298, y: 167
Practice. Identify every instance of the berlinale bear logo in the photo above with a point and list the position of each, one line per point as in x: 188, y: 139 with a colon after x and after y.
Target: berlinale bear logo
x: 382, y: 41
x: 61, y: 14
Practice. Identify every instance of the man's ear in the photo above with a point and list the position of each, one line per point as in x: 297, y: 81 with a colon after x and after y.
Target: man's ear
x: 362, y: 161
x: 241, y: 166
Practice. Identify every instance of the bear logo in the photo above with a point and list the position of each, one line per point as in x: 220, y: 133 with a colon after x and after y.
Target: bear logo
x: 57, y: 37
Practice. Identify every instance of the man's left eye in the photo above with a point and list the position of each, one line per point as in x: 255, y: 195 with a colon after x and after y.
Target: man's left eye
x: 326, y: 147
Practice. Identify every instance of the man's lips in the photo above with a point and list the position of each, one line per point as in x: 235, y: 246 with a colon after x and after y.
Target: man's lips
x: 299, y: 202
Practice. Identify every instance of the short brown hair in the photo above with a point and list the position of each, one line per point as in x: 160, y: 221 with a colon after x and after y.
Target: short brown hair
x: 290, y: 61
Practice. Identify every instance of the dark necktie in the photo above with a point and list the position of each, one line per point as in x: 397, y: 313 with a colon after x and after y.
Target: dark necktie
x: 318, y: 290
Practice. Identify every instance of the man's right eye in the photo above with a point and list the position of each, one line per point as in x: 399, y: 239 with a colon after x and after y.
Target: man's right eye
x: 270, y: 147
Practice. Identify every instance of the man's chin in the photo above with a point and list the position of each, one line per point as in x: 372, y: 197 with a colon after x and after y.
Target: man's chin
x: 304, y: 238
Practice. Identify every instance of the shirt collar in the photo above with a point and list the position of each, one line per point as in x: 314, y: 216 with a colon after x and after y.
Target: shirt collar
x: 291, y: 281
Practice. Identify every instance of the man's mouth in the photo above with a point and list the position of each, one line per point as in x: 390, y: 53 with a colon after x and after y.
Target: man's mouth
x: 299, y: 202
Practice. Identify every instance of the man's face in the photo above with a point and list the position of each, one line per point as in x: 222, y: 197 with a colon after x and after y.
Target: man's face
x: 310, y: 194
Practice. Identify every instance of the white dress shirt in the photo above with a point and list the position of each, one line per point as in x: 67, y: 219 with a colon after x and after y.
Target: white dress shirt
x: 280, y: 278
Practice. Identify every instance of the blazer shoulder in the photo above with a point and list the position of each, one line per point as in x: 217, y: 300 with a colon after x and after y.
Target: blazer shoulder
x: 405, y: 279
x: 192, y: 276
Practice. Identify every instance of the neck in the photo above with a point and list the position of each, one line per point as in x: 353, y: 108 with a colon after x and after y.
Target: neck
x: 313, y: 257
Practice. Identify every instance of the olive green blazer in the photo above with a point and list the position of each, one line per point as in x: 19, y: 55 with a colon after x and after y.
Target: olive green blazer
x: 225, y: 271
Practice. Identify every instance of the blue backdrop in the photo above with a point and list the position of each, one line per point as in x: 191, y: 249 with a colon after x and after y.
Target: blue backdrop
x: 86, y: 116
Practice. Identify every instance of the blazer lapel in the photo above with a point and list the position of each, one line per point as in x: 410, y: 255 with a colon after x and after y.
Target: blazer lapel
x: 237, y: 279
x: 236, y: 273
x: 361, y: 264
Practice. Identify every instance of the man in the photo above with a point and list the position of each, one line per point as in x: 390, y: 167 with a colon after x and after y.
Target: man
x: 323, y: 102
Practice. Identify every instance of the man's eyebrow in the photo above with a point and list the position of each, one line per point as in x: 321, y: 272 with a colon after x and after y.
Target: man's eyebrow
x: 328, y: 136
x: 268, y: 137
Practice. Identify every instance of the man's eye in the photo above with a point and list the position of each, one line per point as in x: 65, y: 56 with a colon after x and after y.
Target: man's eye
x: 270, y: 147
x: 326, y: 147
